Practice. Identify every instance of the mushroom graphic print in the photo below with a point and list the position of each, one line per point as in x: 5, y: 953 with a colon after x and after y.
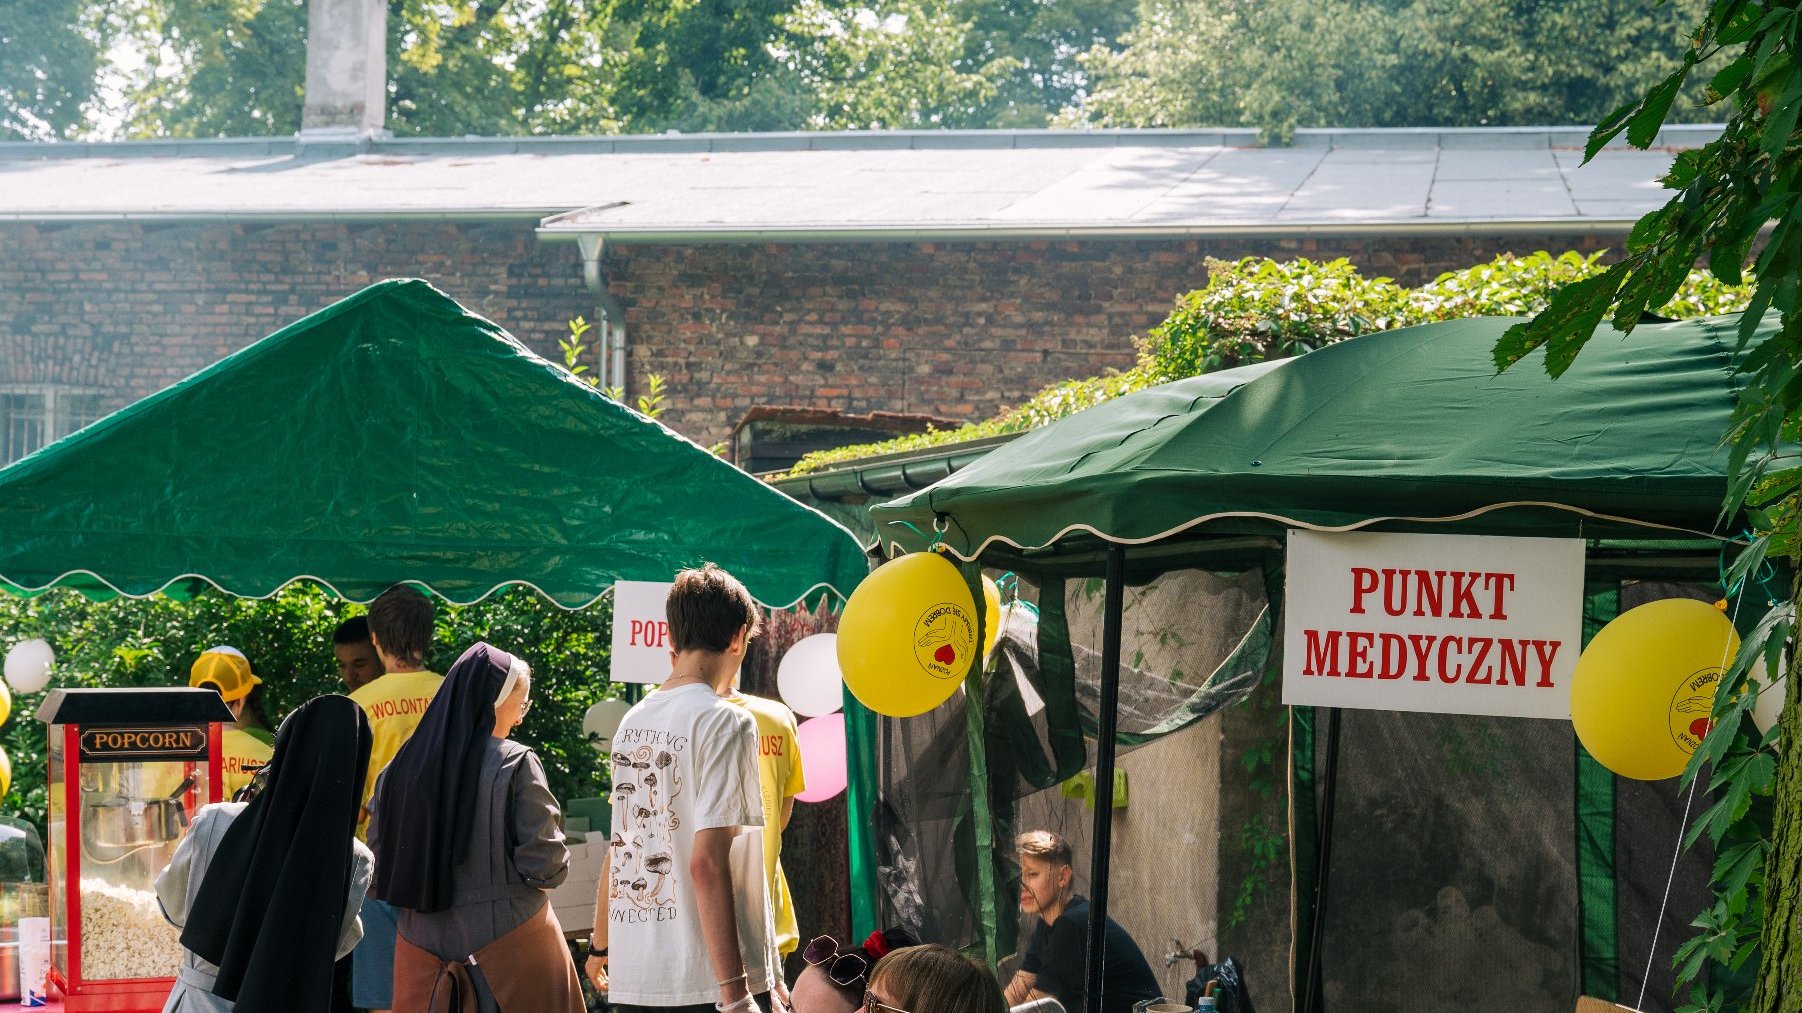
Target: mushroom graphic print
x: 646, y: 781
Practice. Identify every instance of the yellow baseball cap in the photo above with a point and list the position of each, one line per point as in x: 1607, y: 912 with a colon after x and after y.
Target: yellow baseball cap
x: 226, y: 668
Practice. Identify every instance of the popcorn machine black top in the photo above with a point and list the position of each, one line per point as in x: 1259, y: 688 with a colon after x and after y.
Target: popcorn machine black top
x: 128, y: 769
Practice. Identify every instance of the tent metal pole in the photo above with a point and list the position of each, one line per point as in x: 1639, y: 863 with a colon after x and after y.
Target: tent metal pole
x: 1106, y: 719
x: 1311, y: 999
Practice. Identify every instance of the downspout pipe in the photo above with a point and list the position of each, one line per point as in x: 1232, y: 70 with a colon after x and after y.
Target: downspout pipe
x: 612, y: 314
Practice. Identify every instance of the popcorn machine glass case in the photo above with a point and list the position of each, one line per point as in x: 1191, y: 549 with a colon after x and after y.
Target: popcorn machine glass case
x: 128, y: 769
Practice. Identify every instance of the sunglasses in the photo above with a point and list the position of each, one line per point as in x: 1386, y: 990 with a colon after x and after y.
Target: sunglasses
x: 844, y: 969
x: 871, y: 1005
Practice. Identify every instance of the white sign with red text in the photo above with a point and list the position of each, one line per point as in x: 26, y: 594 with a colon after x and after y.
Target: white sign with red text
x: 1446, y: 624
x: 640, y: 632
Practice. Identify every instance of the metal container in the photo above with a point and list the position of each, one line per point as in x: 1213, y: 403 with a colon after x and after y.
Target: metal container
x: 131, y: 823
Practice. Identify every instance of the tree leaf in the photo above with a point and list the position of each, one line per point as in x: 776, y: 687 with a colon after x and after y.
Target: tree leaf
x: 1643, y: 126
x: 1608, y: 129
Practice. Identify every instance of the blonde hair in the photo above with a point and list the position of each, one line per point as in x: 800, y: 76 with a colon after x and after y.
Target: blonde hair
x: 937, y: 979
x: 1045, y: 846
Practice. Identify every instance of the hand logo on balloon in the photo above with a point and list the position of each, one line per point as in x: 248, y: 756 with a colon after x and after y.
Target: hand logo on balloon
x: 944, y: 634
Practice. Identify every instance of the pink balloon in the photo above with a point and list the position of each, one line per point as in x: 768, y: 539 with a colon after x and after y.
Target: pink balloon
x: 822, y: 742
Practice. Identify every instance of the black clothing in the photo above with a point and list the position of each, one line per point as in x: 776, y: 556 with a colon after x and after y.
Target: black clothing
x: 270, y: 908
x: 1057, y: 953
x: 426, y: 816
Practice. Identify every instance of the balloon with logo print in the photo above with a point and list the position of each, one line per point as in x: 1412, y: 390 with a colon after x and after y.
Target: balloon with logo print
x: 1643, y: 689
x: 908, y: 635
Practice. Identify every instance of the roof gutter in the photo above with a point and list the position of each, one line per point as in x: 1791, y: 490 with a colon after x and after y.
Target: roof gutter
x: 920, y: 233
x: 890, y: 475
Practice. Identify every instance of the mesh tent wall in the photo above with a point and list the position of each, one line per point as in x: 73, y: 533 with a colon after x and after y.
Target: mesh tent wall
x: 1409, y: 430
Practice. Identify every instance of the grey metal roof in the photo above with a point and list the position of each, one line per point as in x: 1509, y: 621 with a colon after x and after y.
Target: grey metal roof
x: 948, y: 184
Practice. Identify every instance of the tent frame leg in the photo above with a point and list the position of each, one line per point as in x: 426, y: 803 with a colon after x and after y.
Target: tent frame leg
x: 1106, y: 722
x: 1312, y: 996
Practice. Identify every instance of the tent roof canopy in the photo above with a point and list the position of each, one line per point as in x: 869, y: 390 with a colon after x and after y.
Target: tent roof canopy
x: 394, y: 436
x: 1410, y: 429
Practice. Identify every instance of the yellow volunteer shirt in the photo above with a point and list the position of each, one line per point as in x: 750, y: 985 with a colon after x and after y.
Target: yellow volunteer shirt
x: 779, y: 771
x: 394, y: 704
x: 243, y: 754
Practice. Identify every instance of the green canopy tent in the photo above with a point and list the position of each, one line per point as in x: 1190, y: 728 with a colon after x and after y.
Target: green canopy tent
x: 395, y: 436
x: 1404, y: 430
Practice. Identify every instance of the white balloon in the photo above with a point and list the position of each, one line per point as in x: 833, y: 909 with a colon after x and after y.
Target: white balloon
x: 1769, y: 706
x: 28, y: 666
x: 602, y: 720
x: 808, y: 677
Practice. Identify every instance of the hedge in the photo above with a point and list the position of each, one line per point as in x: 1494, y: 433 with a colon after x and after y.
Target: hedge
x: 1256, y: 309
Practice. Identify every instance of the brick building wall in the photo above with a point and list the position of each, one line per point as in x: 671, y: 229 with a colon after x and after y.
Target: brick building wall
x: 948, y: 329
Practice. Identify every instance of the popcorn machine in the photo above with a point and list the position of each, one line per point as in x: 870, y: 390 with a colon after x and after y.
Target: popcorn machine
x: 128, y: 769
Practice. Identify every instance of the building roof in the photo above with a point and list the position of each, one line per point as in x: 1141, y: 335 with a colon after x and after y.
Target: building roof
x: 872, y: 185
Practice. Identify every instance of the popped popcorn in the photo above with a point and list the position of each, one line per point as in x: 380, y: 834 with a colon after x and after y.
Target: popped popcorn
x: 124, y: 934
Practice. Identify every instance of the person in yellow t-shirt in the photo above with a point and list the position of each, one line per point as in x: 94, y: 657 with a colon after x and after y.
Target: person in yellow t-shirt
x: 781, y: 777
x: 400, y: 627
x: 245, y: 747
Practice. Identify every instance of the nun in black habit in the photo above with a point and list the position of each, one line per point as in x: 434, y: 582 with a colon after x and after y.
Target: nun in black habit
x: 266, y: 892
x: 468, y: 843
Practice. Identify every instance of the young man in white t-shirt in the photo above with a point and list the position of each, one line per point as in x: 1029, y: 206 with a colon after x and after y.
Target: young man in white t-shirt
x: 682, y: 916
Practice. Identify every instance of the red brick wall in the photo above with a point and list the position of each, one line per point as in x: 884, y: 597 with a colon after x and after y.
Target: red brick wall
x: 952, y: 329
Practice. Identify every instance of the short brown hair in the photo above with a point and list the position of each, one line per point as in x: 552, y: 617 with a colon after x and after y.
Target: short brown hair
x: 937, y: 979
x: 1045, y: 846
x: 400, y: 619
x: 706, y: 608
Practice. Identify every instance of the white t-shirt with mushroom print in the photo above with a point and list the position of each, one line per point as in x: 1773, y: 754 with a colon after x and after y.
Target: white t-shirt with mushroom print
x: 684, y: 760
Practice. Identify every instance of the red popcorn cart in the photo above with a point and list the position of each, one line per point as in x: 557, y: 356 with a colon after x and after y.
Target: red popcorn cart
x: 128, y: 769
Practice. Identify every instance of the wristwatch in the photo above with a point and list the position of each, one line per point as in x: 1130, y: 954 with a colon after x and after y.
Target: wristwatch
x: 593, y: 953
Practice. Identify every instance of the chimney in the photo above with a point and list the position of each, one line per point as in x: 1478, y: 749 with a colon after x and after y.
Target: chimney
x: 347, y: 69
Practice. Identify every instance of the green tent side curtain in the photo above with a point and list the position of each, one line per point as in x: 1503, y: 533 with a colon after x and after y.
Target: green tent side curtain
x: 394, y: 436
x: 1408, y: 429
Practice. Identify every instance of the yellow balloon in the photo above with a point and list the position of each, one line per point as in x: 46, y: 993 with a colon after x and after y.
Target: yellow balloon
x: 991, y: 617
x: 6, y: 706
x: 6, y: 772
x: 1643, y: 690
x: 908, y: 635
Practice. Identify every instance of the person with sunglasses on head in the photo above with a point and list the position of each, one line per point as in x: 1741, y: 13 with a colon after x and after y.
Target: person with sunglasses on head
x: 835, y: 979
x: 932, y: 979
x: 468, y: 845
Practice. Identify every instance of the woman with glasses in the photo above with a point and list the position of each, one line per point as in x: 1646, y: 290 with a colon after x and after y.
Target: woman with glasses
x: 468, y: 844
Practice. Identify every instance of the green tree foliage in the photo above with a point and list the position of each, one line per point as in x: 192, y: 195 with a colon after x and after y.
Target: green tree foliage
x: 455, y: 67
x: 1727, y: 194
x: 897, y: 64
x: 217, y: 69
x: 1254, y: 309
x: 49, y: 56
x: 288, y: 640
x: 1281, y: 64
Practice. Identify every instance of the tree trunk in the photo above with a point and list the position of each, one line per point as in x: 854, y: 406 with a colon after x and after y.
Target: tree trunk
x: 1779, y: 988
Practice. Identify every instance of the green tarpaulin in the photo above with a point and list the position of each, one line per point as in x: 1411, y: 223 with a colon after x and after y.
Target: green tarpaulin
x: 1410, y: 428
x: 395, y: 436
